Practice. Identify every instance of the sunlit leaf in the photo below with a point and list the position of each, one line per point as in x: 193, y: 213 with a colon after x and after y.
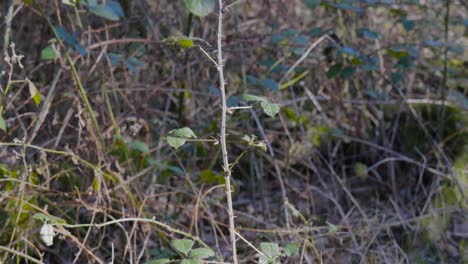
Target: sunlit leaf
x: 34, y: 92
x: 184, y: 132
x: 269, y: 108
x: 175, y: 142
x: 182, y: 245
x: 178, y: 137
x: 200, y: 7
x: 271, y: 250
x: 70, y: 2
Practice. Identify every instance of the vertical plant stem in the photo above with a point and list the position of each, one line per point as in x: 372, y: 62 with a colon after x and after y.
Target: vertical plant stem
x: 444, y: 87
x: 227, y: 170
x: 8, y: 19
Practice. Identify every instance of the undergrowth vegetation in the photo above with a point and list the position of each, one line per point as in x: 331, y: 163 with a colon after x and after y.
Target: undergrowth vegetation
x: 224, y: 131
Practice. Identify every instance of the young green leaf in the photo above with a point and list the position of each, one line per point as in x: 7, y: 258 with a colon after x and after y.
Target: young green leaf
x: 50, y: 219
x: 175, y: 142
x: 34, y: 92
x: 184, y: 132
x: 200, y: 8
x: 48, y: 53
x: 201, y: 253
x: 269, y: 108
x: 182, y: 245
x: 185, y: 42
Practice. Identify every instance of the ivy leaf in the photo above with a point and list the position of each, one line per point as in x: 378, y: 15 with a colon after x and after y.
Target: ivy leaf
x: 182, y: 245
x: 270, y: 109
x: 200, y: 8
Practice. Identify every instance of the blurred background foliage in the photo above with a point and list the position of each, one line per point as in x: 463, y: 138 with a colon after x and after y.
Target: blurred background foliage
x: 368, y: 152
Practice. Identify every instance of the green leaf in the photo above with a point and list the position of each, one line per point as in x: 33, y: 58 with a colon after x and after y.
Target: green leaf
x: 175, y: 142
x: 270, y: 84
x: 178, y: 137
x: 255, y: 98
x: 271, y: 250
x: 397, y: 54
x: 111, y: 11
x: 270, y: 109
x: 185, y: 42
x: 48, y: 53
x: 184, y: 132
x: 140, y: 146
x: 159, y: 261
x: 331, y: 228
x: 182, y: 245
x: 291, y: 249
x: 50, y: 219
x: 209, y: 177
x: 334, y: 70
x: 200, y: 7
x: 3, y: 125
x: 70, y: 2
x: 34, y: 92
x: 201, y: 253
x: 289, y: 113
x: 189, y: 261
